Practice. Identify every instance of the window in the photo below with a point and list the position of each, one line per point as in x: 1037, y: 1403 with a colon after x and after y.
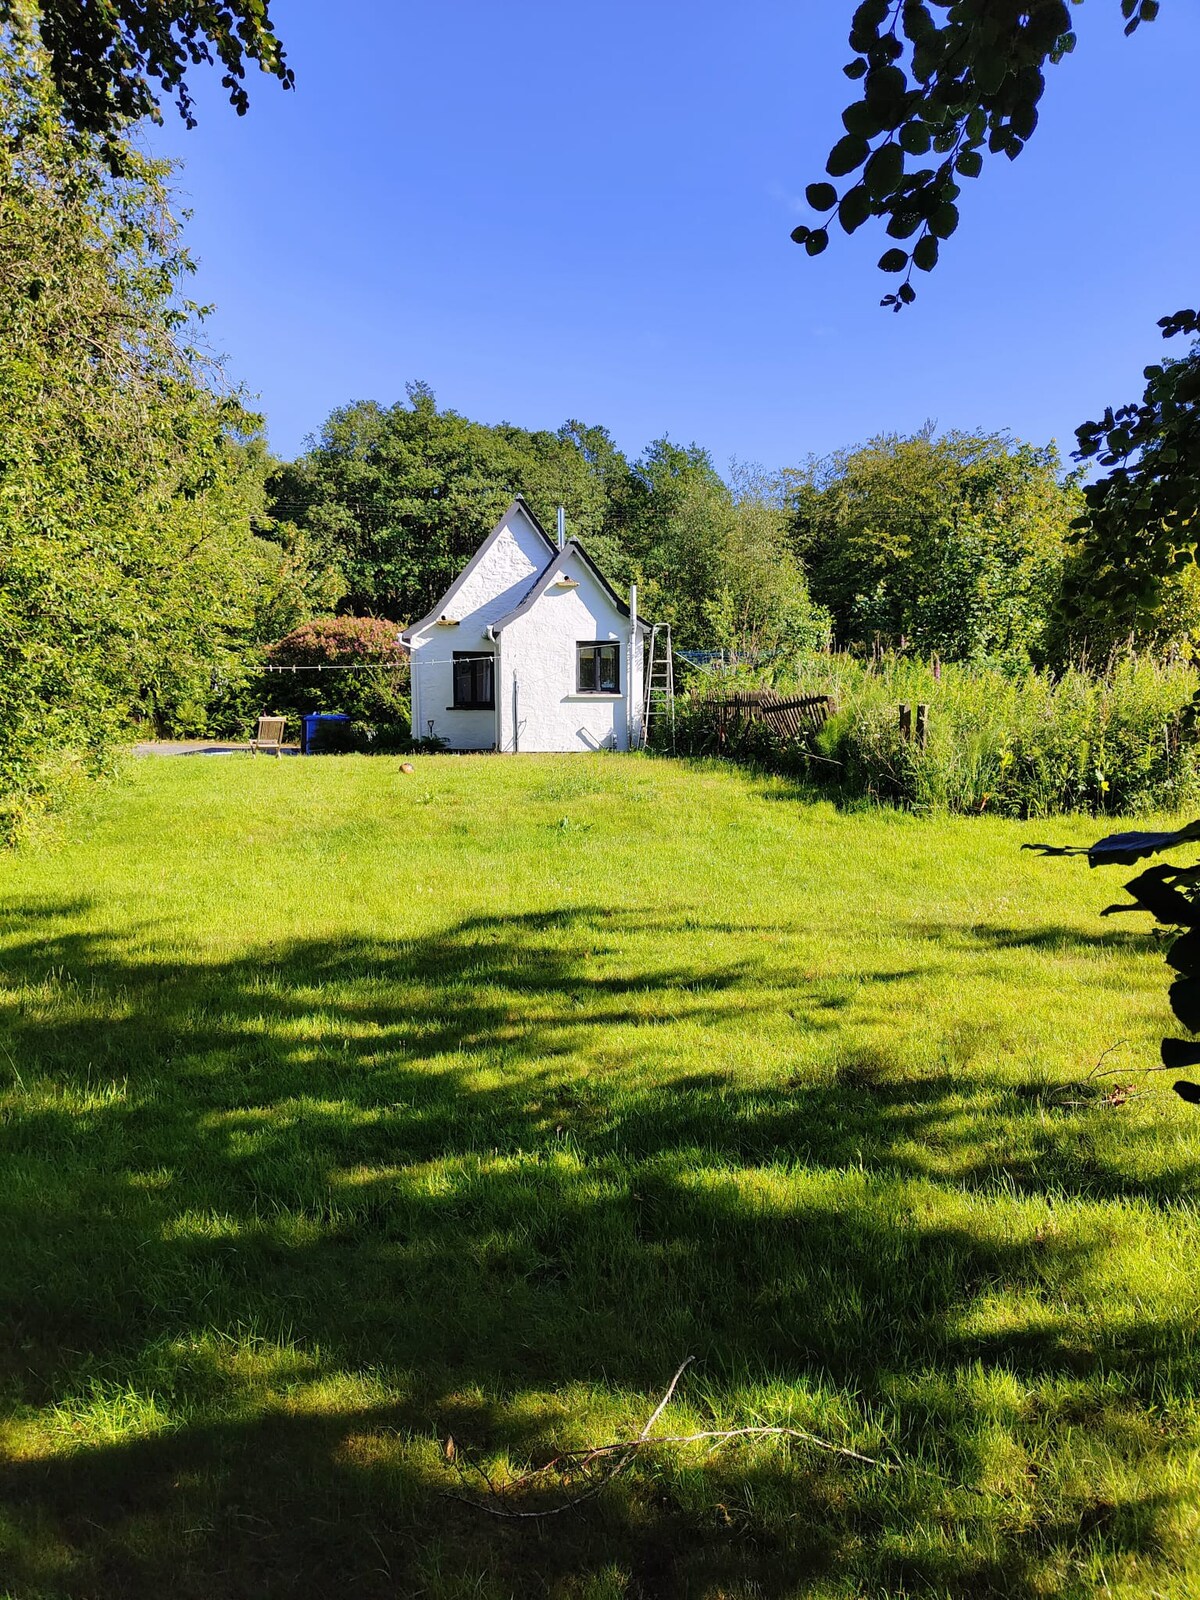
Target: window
x: 473, y: 681
x: 599, y: 668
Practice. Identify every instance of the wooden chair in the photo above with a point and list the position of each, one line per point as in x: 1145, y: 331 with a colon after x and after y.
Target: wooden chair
x: 269, y: 735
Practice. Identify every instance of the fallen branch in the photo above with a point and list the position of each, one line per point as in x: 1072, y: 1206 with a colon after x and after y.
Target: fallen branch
x: 1104, y: 1055
x: 618, y: 1455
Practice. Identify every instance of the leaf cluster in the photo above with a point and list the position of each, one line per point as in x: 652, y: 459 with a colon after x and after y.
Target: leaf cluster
x: 943, y: 85
x: 1142, y: 517
x: 109, y: 61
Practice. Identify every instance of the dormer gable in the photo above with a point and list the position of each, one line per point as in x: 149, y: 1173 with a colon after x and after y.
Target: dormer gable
x: 558, y: 574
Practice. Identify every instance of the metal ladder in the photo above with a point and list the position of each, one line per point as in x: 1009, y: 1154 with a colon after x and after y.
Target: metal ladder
x: 660, y: 681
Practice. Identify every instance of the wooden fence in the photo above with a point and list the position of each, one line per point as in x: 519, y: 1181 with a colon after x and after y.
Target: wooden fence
x: 795, y: 716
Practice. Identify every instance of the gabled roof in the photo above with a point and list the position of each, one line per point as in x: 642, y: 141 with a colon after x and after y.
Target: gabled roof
x: 546, y: 577
x: 518, y: 504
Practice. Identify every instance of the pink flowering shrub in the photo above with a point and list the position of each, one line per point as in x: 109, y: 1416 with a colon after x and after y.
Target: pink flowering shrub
x: 341, y: 640
x: 373, y: 692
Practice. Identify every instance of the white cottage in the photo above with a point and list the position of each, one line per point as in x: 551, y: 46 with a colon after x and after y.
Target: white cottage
x: 530, y: 648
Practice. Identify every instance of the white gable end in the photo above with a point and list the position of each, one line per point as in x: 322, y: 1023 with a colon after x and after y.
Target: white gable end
x: 497, y: 664
x: 494, y: 581
x: 497, y: 577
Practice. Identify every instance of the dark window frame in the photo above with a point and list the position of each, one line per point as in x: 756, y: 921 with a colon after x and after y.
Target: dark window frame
x: 590, y: 649
x: 483, y: 666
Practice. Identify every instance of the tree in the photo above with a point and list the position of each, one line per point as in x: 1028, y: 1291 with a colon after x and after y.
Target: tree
x: 108, y: 60
x: 719, y: 565
x: 1138, y: 535
x: 762, y: 606
x: 400, y: 496
x: 952, y: 542
x: 127, y: 560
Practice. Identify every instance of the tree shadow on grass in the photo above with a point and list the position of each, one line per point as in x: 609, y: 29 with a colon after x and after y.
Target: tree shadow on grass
x: 1058, y: 937
x: 407, y: 1194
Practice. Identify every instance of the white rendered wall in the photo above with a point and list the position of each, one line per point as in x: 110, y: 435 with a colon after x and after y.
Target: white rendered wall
x: 496, y: 586
x: 537, y: 702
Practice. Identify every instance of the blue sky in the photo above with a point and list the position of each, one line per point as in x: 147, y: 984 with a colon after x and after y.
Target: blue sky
x: 548, y: 211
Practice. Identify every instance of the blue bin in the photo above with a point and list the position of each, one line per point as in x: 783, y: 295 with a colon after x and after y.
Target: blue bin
x: 310, y: 728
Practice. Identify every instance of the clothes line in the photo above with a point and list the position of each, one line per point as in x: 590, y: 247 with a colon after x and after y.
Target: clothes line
x: 358, y: 666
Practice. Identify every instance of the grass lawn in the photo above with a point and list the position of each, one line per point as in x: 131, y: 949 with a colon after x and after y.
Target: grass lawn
x: 344, y: 1114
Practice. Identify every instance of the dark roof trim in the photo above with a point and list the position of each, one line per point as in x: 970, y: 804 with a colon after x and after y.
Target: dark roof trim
x: 572, y: 547
x: 519, y: 503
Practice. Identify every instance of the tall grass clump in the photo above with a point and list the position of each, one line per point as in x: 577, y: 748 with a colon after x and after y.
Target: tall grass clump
x: 1017, y: 744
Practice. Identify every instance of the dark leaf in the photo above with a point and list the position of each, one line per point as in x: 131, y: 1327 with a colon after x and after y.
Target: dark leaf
x: 916, y: 138
x: 990, y: 72
x: 855, y: 208
x: 865, y: 121
x: 821, y: 196
x: 1166, y: 904
x: 1185, y: 1003
x: 893, y: 261
x: 1178, y: 1053
x: 816, y: 241
x: 903, y: 224
x: 1188, y: 1091
x: 925, y: 253
x: 1123, y: 849
x: 944, y: 220
x: 917, y: 22
x: 847, y: 154
x: 870, y: 15
x: 884, y: 88
x: 884, y: 171
x: 800, y: 233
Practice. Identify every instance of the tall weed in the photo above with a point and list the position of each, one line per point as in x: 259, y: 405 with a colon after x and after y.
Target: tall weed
x: 1018, y: 744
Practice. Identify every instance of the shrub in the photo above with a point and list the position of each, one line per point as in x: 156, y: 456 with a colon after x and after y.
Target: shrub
x: 361, y: 669
x: 1020, y: 744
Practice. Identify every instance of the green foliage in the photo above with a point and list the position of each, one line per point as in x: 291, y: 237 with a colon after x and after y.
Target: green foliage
x: 129, y: 575
x: 367, y: 677
x: 108, y: 62
x: 1017, y: 744
x: 952, y: 542
x: 1094, y: 617
x: 722, y: 570
x: 969, y: 79
x: 935, y: 95
x: 1137, y: 539
x: 399, y: 497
